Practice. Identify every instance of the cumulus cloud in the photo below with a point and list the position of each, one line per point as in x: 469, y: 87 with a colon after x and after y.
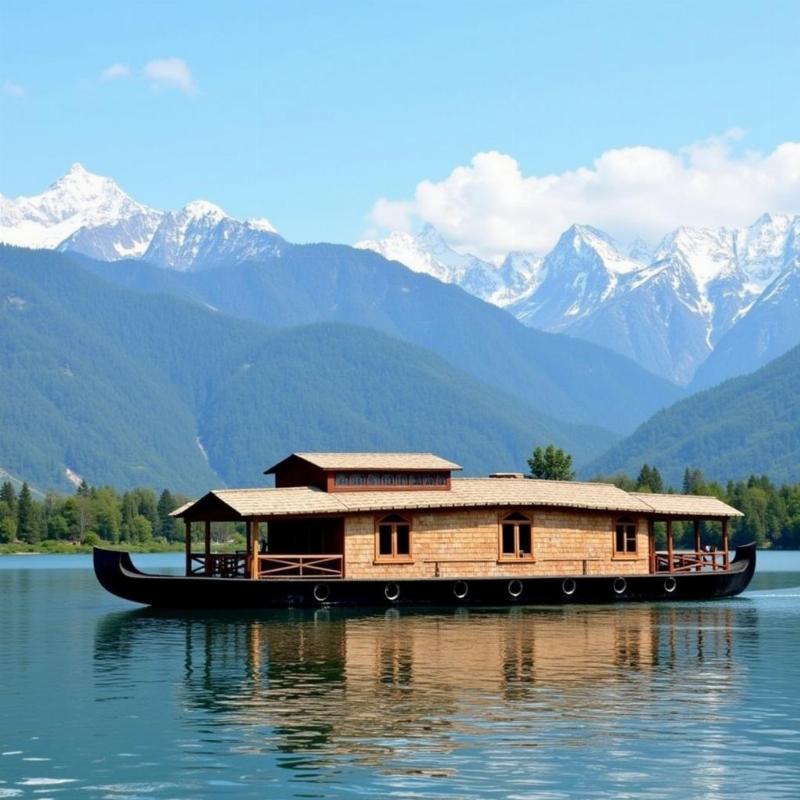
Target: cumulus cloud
x: 13, y: 89
x: 169, y: 73
x: 490, y: 207
x: 116, y: 72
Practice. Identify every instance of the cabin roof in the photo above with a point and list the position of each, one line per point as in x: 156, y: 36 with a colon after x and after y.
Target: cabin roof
x: 467, y: 493
x: 371, y: 461
x: 688, y: 505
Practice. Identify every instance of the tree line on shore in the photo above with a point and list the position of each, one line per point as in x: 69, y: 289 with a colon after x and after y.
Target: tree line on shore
x: 140, y: 517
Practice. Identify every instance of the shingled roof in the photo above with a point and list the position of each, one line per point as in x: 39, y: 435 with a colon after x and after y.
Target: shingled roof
x: 466, y: 493
x: 372, y: 461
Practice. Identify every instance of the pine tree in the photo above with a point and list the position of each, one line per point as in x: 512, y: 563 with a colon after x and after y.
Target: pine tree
x: 28, y: 529
x: 552, y: 464
x: 166, y: 524
x: 649, y: 480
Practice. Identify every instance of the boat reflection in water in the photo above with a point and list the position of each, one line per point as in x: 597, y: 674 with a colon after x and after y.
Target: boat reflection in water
x: 398, y: 690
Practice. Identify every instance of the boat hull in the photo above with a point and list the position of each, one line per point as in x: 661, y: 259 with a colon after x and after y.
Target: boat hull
x: 116, y: 572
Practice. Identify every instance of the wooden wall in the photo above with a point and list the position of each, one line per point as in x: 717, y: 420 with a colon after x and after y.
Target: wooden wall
x: 465, y: 544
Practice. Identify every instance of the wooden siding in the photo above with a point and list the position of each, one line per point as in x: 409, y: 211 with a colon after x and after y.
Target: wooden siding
x: 465, y: 543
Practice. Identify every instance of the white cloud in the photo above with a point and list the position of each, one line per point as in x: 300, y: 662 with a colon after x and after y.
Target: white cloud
x: 169, y: 73
x: 116, y: 72
x: 489, y: 207
x: 13, y: 89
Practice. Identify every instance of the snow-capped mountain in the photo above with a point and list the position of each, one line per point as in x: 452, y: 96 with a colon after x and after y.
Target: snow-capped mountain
x: 427, y: 252
x: 666, y: 308
x: 202, y: 234
x: 90, y: 214
x: 76, y: 203
x: 577, y: 276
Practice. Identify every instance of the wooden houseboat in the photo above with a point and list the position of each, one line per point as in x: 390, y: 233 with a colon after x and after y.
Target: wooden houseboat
x: 397, y: 528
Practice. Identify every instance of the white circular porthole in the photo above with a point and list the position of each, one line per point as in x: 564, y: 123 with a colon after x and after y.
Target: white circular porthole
x: 515, y: 588
x: 670, y: 585
x: 322, y: 592
x: 620, y: 585
x: 568, y: 586
x: 392, y: 591
x: 460, y: 589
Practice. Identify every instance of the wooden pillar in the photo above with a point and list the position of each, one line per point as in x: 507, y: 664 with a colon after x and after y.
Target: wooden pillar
x: 188, y: 524
x: 254, y: 560
x: 248, y: 548
x: 651, y: 538
x: 725, y: 543
x: 697, y: 542
x: 208, y: 546
x: 670, y: 565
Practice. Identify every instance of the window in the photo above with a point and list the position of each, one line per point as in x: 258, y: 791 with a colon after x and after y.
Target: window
x: 516, y: 536
x: 342, y: 479
x: 393, y: 539
x: 625, y: 536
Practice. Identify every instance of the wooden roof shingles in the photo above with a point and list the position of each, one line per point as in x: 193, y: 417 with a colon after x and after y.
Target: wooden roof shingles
x: 372, y: 461
x: 467, y: 493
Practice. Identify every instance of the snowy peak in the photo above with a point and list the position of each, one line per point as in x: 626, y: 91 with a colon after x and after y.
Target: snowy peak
x: 428, y: 253
x: 90, y: 214
x: 202, y: 234
x: 77, y: 200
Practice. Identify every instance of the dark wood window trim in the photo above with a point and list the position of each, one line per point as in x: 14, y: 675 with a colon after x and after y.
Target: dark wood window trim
x: 393, y: 540
x: 515, y: 537
x: 625, y: 538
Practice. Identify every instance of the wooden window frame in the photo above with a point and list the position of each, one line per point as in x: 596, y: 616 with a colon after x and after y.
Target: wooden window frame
x: 516, y: 558
x: 622, y: 555
x: 394, y: 558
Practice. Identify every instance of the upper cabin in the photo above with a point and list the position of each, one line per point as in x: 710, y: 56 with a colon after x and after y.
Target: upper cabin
x: 404, y: 515
x: 359, y: 472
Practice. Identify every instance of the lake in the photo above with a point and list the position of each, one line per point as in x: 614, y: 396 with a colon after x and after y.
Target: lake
x: 101, y: 699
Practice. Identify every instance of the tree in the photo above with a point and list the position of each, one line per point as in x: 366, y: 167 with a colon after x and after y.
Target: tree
x: 649, y: 480
x: 693, y: 481
x: 28, y: 529
x: 552, y: 464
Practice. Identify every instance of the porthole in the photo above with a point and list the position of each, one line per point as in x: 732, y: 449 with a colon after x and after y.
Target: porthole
x: 620, y: 585
x: 568, y: 586
x: 392, y: 591
x: 322, y: 592
x: 515, y: 588
x: 670, y: 585
x: 460, y: 589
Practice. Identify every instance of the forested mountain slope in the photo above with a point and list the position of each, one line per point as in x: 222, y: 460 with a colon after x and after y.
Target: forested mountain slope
x: 748, y: 425
x: 560, y: 376
x: 130, y: 388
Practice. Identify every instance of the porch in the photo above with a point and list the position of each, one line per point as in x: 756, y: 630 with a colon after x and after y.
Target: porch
x: 700, y: 559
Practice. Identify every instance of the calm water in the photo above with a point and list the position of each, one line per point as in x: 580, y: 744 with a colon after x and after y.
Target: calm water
x: 100, y: 700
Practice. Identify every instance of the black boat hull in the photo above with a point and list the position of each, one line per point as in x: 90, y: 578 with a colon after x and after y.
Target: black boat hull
x: 117, y: 574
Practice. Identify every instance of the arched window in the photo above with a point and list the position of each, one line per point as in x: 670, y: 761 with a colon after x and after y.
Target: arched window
x: 625, y: 536
x: 393, y: 538
x: 516, y: 536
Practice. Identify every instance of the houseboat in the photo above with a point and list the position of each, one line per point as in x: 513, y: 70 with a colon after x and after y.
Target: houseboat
x: 387, y: 529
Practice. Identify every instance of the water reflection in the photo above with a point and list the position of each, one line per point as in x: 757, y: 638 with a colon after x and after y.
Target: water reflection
x: 356, y: 684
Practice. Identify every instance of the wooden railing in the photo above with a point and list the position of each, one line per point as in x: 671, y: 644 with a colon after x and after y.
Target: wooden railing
x: 218, y: 565
x: 692, y: 561
x: 300, y: 566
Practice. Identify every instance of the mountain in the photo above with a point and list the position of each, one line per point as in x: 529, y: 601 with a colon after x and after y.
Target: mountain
x: 666, y: 308
x: 69, y: 209
x: 128, y: 388
x: 428, y: 253
x: 89, y: 214
x: 747, y: 425
x: 560, y: 376
x: 770, y: 327
x: 581, y: 272
x: 202, y: 235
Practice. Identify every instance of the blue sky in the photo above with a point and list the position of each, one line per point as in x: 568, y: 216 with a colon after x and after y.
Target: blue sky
x: 308, y: 113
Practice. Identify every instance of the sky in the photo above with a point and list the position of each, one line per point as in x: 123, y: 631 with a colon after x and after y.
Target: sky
x: 499, y: 122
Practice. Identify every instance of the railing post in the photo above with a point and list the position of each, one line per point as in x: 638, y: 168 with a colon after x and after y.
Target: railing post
x: 725, y: 543
x: 254, y: 535
x: 188, y: 524
x: 670, y: 549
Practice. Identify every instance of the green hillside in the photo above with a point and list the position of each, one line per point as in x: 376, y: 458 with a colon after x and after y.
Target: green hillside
x: 748, y: 425
x: 560, y: 376
x: 124, y: 387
